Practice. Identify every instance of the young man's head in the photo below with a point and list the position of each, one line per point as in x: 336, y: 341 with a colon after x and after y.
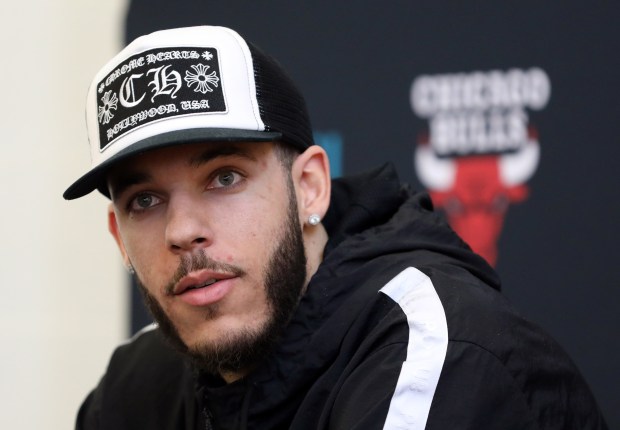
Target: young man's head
x: 204, y: 146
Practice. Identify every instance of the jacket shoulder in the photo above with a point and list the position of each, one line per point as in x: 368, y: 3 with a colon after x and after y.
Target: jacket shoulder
x: 472, y: 361
x: 504, y: 367
x: 146, y: 385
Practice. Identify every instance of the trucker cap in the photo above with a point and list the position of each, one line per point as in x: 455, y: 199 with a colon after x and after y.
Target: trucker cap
x: 187, y: 85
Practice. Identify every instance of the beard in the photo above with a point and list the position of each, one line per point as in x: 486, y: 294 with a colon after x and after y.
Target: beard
x: 283, y: 278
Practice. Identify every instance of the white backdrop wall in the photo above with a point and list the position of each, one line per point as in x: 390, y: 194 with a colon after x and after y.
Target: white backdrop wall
x: 63, y: 302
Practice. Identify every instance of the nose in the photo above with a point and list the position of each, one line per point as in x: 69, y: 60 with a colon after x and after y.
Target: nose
x: 187, y: 227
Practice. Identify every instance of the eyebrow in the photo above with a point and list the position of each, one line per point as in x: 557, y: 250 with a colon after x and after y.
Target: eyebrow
x: 121, y: 182
x: 220, y: 151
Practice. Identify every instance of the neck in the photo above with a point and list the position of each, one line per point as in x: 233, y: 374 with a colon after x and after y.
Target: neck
x: 315, y: 239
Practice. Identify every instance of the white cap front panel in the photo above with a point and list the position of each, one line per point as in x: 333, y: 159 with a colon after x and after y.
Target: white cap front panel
x: 172, y: 80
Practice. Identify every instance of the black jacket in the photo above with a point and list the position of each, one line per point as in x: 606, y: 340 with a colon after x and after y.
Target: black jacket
x: 402, y: 327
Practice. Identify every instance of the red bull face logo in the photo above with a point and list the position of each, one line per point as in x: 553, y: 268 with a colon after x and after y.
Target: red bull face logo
x: 480, y: 151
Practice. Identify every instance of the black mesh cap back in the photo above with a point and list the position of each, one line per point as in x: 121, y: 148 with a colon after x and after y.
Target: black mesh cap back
x: 281, y: 105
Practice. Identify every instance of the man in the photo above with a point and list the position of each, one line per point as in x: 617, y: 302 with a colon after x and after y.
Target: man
x: 283, y: 299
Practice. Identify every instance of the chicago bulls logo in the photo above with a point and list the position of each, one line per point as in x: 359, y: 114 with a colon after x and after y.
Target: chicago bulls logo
x: 475, y: 191
x: 480, y: 150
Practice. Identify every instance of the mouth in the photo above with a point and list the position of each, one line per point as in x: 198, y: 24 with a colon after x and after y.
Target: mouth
x: 205, y: 284
x: 199, y: 280
x: 204, y: 288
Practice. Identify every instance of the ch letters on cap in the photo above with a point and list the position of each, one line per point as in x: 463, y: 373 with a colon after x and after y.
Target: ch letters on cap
x: 158, y: 84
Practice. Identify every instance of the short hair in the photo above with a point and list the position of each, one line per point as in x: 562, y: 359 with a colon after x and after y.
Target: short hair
x: 286, y: 155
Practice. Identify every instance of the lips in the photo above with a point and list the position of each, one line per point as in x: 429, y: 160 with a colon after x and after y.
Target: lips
x: 204, y: 287
x: 197, y: 280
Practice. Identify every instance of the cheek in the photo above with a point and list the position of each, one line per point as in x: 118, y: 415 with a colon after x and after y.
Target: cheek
x: 145, y: 253
x: 251, y: 227
x: 259, y: 212
x: 138, y: 246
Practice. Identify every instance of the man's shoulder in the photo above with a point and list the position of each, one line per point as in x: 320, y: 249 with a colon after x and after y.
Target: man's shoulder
x: 473, y: 310
x: 143, y: 374
x: 471, y: 317
x: 466, y: 337
x: 146, y: 340
x: 145, y: 356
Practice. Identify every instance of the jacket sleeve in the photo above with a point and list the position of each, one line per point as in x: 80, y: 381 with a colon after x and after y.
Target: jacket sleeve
x: 471, y: 395
x: 475, y: 391
x: 530, y: 389
x: 364, y: 399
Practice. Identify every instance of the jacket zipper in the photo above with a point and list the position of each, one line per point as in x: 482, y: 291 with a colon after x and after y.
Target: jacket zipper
x: 208, y: 418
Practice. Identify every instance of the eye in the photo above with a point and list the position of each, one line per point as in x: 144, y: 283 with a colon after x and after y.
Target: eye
x: 143, y: 201
x: 225, y: 179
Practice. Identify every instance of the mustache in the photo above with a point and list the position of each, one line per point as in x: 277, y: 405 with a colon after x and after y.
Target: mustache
x: 199, y: 261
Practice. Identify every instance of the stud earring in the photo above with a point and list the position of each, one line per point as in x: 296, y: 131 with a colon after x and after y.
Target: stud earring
x: 131, y: 270
x: 314, y: 219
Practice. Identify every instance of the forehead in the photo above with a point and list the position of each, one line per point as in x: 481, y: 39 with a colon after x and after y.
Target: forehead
x: 194, y: 155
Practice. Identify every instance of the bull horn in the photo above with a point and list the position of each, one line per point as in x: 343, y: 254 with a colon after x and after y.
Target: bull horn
x: 518, y: 168
x: 435, y: 173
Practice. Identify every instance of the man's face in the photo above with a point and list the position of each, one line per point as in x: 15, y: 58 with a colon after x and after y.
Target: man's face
x: 213, y: 234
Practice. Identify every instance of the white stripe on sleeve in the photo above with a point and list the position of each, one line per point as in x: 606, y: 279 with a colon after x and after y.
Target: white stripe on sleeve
x: 426, y: 351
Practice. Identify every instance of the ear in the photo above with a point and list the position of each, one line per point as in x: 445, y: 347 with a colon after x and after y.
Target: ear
x: 312, y: 181
x: 114, y: 231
